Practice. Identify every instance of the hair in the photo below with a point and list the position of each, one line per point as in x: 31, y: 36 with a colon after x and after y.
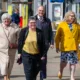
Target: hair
x: 4, y: 16
x: 16, y: 9
x: 32, y: 18
x: 38, y: 9
x: 66, y: 17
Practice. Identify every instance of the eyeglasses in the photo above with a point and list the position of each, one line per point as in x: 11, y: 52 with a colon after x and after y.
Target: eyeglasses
x: 6, y: 20
x: 72, y: 15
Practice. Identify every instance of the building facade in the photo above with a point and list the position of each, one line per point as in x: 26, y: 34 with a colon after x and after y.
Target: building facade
x: 56, y: 10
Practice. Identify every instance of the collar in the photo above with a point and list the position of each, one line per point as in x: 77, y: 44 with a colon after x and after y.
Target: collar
x: 7, y: 26
x: 39, y: 17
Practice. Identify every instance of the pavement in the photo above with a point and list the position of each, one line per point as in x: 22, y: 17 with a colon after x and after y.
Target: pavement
x: 52, y: 69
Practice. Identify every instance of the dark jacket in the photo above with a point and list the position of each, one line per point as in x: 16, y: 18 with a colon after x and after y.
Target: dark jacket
x: 40, y: 40
x: 15, y: 18
x: 46, y: 27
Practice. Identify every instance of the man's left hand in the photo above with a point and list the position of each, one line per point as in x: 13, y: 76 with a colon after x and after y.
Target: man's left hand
x: 51, y: 46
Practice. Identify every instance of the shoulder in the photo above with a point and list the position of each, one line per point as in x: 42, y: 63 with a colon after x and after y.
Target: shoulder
x: 38, y: 30
x: 36, y: 17
x: 24, y: 29
x: 13, y: 14
x: 62, y: 23
x: 14, y: 25
x: 47, y: 19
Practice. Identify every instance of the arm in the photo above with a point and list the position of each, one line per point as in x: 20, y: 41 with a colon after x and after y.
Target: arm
x: 58, y: 38
x: 21, y: 40
x: 78, y: 33
x: 13, y: 17
x: 51, y: 36
x: 17, y: 30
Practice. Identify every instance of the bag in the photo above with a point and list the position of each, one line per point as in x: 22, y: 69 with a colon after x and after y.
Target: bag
x: 19, y: 60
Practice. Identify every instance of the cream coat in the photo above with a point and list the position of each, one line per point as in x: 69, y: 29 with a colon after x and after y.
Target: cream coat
x: 7, y: 55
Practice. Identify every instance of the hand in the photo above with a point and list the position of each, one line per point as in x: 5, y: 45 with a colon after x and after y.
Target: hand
x: 13, y: 46
x: 52, y: 46
x: 42, y: 58
x: 19, y: 55
x: 19, y: 60
x: 57, y: 50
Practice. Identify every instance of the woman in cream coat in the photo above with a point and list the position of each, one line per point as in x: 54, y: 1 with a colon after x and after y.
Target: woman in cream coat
x: 8, y: 44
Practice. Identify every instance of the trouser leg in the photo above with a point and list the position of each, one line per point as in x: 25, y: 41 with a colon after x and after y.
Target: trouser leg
x: 43, y: 71
x: 27, y: 64
x: 37, y: 66
x: 12, y: 53
x: 31, y: 65
x: 11, y: 63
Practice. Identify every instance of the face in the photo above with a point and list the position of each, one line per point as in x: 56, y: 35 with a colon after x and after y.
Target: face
x: 71, y: 18
x: 16, y: 10
x: 7, y: 21
x: 41, y: 11
x: 32, y: 24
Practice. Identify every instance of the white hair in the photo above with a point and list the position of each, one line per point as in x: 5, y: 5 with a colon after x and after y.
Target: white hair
x: 5, y: 16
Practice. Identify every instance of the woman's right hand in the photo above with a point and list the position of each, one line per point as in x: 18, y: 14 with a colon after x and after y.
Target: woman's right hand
x: 57, y: 50
x: 19, y: 60
x: 19, y: 55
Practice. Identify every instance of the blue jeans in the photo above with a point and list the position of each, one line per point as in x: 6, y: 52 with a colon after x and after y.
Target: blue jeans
x: 31, y: 65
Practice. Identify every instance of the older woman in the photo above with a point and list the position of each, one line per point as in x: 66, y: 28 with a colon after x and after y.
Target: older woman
x: 66, y: 41
x: 8, y: 44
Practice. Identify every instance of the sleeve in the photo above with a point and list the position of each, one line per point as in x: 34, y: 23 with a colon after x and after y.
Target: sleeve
x: 17, y: 34
x: 13, y: 18
x: 21, y: 41
x: 58, y: 37
x: 51, y: 35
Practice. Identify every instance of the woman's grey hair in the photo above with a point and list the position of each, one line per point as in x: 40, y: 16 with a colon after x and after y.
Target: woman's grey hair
x: 5, y: 16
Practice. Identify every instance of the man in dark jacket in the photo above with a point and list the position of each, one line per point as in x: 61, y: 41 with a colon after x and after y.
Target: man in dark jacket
x: 15, y: 16
x: 44, y: 24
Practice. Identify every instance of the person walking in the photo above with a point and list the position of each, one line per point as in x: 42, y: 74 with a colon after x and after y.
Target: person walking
x: 31, y: 48
x: 15, y: 16
x: 66, y: 41
x: 44, y: 24
x: 8, y: 44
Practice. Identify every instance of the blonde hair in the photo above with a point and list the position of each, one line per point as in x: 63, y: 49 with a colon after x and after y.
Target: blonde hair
x: 66, y: 17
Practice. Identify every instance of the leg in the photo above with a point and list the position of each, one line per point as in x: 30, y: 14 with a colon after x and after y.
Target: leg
x: 28, y: 66
x: 72, y: 61
x: 63, y: 64
x: 11, y: 62
x: 72, y: 71
x: 5, y: 77
x: 43, y: 68
x: 4, y: 68
x: 37, y: 66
